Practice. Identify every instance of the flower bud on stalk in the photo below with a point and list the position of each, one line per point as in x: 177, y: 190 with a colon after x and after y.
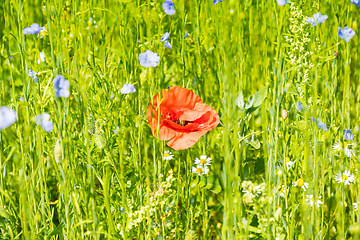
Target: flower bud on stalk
x: 284, y: 114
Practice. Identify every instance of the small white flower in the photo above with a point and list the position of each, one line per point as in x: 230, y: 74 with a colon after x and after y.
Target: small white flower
x: 41, y: 58
x: 204, y: 160
x: 301, y: 183
x: 310, y: 200
x: 347, y: 177
x: 167, y: 155
x: 258, y: 189
x: 356, y: 206
x: 200, y: 170
x: 344, y: 146
x: 289, y: 163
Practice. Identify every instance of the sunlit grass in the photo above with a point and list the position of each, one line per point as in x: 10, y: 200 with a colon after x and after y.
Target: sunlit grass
x: 100, y: 174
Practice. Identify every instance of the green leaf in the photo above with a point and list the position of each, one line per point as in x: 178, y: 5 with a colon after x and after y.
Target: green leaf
x: 56, y: 231
x: 3, y: 213
x: 249, y: 102
x: 210, y: 181
x: 194, y: 182
x: 202, y: 182
x: 292, y: 90
x: 18, y: 83
x: 240, y: 101
x: 259, y: 97
x: 217, y: 187
x: 254, y: 142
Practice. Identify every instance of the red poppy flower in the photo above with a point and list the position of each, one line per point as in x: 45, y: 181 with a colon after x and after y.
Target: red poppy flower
x: 182, y: 117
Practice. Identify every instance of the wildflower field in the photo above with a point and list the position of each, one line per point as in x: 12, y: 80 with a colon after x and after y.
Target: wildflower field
x: 183, y: 119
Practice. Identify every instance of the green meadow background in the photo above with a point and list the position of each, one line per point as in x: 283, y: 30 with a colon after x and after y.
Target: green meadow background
x: 83, y: 181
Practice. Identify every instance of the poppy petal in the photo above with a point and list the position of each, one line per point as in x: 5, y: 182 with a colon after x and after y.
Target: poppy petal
x: 185, y: 140
x: 193, y: 114
x: 165, y: 133
x: 180, y: 98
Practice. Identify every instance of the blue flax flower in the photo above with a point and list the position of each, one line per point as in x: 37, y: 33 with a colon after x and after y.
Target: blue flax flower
x: 33, y: 29
x: 33, y: 75
x: 168, y: 45
x: 316, y: 19
x: 356, y: 2
x: 320, y: 124
x: 44, y: 121
x: 346, y: 33
x: 186, y: 34
x: 7, y: 117
x: 282, y: 2
x: 348, y: 135
x: 128, y: 88
x: 165, y: 37
x: 168, y: 7
x: 61, y: 86
x: 217, y: 1
x: 149, y: 59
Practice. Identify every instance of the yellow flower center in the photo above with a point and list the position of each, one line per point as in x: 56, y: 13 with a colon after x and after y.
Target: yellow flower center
x: 166, y: 155
x: 281, y: 190
x: 203, y: 160
x: 344, y: 177
x: 199, y: 170
x: 287, y: 160
x: 300, y: 182
x: 342, y: 144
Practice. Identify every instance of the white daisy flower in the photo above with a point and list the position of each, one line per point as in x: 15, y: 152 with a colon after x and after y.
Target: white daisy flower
x: 289, y: 163
x: 356, y: 206
x: 167, y: 155
x: 204, y: 160
x: 349, y: 152
x: 310, y: 200
x: 344, y: 146
x: 301, y: 183
x: 200, y: 170
x: 347, y: 177
x: 282, y: 191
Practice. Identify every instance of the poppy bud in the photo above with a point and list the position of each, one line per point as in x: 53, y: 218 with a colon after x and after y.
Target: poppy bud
x: 336, y: 54
x: 284, y: 114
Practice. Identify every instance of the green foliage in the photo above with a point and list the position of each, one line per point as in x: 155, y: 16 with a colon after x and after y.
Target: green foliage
x: 100, y: 174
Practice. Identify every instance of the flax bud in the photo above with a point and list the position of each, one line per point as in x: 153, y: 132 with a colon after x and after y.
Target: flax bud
x: 284, y: 114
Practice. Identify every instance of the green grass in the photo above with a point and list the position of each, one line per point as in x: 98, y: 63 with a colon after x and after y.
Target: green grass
x: 82, y: 181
